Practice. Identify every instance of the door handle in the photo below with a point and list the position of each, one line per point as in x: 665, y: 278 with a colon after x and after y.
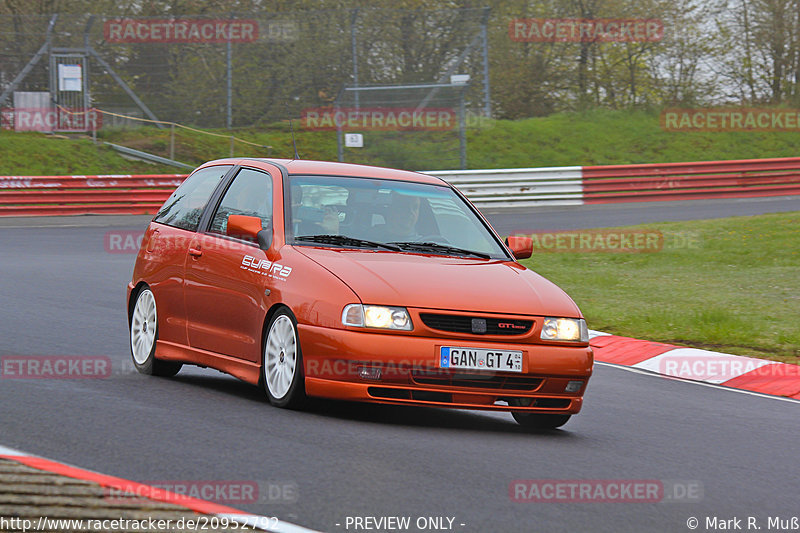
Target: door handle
x: 195, y: 252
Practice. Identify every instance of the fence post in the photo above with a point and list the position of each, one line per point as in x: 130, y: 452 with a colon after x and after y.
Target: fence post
x: 353, y: 45
x: 229, y: 105
x: 462, y: 132
x: 172, y: 141
x: 487, y: 105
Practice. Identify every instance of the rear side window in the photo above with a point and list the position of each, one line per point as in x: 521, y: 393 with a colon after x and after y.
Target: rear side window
x: 184, y: 207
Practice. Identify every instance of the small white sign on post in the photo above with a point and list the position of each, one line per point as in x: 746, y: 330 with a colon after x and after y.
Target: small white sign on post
x: 70, y: 77
x: 353, y: 140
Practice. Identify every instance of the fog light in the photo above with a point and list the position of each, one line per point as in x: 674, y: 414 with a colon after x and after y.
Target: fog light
x: 573, y: 386
x: 369, y: 373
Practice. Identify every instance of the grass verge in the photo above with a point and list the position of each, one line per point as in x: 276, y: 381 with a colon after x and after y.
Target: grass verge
x: 597, y: 137
x: 729, y: 285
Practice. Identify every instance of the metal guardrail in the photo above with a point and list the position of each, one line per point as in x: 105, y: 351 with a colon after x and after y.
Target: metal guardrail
x: 78, y: 195
x: 744, y: 178
x: 502, y: 189
x: 144, y: 156
x: 518, y: 187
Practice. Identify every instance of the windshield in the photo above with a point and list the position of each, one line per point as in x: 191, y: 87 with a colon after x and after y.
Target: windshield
x: 387, y: 215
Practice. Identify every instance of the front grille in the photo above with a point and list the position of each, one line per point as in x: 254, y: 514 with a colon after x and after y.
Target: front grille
x: 476, y: 325
x: 474, y: 381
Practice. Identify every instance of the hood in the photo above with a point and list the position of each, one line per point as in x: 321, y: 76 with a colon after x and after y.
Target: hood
x: 438, y: 282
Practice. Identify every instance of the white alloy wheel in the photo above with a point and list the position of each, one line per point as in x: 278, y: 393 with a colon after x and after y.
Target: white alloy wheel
x: 281, y: 357
x: 143, y: 327
x: 282, y: 372
x: 144, y: 334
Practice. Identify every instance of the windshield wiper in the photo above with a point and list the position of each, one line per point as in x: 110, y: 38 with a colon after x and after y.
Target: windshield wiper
x: 344, y: 240
x: 438, y: 247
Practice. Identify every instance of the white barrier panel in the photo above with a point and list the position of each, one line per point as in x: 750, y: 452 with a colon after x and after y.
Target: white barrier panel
x: 518, y: 187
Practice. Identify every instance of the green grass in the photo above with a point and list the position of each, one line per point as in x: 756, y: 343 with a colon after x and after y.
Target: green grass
x: 36, y: 154
x: 598, y: 137
x: 728, y: 285
x: 604, y: 137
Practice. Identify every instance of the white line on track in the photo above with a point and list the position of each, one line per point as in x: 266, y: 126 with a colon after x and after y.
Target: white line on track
x: 10, y: 451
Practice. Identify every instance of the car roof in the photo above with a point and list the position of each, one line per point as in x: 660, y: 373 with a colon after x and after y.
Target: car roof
x: 331, y: 168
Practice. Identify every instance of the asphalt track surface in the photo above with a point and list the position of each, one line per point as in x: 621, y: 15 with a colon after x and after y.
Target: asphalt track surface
x: 62, y: 293
x: 526, y: 220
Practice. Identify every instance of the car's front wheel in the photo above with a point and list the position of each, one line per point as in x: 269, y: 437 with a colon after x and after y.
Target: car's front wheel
x: 143, y: 337
x: 282, y: 364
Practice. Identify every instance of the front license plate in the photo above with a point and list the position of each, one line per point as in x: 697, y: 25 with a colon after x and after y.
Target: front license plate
x: 480, y: 359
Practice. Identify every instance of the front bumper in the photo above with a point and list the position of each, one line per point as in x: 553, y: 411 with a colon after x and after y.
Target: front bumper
x: 410, y: 373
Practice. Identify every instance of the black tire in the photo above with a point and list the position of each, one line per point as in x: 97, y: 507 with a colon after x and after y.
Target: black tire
x: 143, y: 334
x: 540, y: 420
x: 282, y: 376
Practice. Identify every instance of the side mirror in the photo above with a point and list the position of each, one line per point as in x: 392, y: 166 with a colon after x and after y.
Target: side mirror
x: 249, y: 229
x: 520, y: 246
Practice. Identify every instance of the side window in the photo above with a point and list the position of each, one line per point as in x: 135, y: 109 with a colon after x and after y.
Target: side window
x: 250, y: 194
x: 459, y: 229
x: 184, y: 207
x: 319, y: 209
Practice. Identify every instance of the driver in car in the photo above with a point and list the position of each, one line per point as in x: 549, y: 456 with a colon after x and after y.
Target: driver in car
x: 401, y: 219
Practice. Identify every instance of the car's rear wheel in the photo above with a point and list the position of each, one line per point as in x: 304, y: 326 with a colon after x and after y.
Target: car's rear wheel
x: 143, y: 337
x: 282, y: 364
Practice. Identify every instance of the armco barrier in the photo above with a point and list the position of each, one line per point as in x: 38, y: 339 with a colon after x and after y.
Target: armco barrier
x: 691, y: 181
x: 505, y: 188
x: 518, y: 187
x: 77, y: 195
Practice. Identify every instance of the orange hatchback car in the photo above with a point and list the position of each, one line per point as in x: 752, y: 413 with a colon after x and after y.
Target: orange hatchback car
x: 352, y: 282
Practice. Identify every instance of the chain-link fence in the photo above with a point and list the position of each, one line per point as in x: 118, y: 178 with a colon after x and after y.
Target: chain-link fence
x: 410, y: 126
x: 235, y: 69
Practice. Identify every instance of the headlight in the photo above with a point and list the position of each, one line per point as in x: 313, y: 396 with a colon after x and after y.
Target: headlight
x: 565, y: 329
x: 376, y: 316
